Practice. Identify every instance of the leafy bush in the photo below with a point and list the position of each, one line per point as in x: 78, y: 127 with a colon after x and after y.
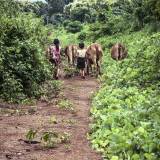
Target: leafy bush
x: 65, y: 104
x: 23, y: 65
x: 126, y: 109
x: 82, y: 36
x: 87, y: 11
x: 74, y: 27
x: 66, y: 22
x: 56, y: 19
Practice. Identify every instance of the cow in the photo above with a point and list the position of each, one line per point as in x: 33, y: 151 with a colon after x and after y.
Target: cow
x: 118, y: 51
x: 94, y: 55
x: 71, y: 52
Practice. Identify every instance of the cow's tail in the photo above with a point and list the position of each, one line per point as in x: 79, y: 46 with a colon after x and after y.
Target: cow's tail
x: 120, y: 51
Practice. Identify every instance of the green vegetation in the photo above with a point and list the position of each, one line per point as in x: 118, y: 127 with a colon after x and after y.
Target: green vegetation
x: 53, y: 120
x: 65, y: 104
x: 126, y: 108
x: 49, y: 139
x: 31, y: 135
x: 74, y: 27
x: 23, y: 64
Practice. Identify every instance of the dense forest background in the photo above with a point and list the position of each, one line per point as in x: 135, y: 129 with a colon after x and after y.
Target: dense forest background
x: 126, y: 110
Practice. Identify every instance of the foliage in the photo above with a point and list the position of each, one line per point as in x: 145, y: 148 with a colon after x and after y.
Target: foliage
x: 82, y: 36
x: 57, y: 19
x: 138, y: 12
x: 80, y: 12
x: 65, y: 37
x: 74, y: 27
x: 55, y: 6
x: 53, y: 120
x: 39, y: 8
x: 86, y: 11
x: 23, y: 65
x: 49, y: 138
x: 116, y: 17
x: 125, y: 110
x: 7, y: 10
x: 31, y: 134
x: 65, y: 104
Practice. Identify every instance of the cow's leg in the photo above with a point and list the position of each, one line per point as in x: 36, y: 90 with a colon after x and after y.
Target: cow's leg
x: 74, y: 61
x: 99, y: 69
x: 100, y: 73
x: 71, y: 60
x: 99, y: 66
x: 95, y: 65
x: 91, y: 68
x: 68, y: 60
x: 88, y: 65
x: 70, y: 56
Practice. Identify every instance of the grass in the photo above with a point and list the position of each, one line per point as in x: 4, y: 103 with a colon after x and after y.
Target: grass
x: 66, y: 105
x: 48, y: 139
x: 64, y: 37
x: 53, y: 120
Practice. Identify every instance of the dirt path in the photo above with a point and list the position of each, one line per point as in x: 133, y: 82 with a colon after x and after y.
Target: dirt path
x: 14, y: 127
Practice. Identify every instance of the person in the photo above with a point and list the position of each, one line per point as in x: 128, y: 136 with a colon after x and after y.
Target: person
x: 81, y: 59
x: 55, y: 50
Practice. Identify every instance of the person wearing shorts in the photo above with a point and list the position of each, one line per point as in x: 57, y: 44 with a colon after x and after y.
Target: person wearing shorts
x: 81, y: 59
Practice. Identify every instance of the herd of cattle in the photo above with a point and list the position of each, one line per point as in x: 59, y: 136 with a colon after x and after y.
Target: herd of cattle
x: 94, y: 54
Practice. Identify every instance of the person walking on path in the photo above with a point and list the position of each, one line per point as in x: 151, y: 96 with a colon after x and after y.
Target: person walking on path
x: 81, y: 59
x: 54, y: 51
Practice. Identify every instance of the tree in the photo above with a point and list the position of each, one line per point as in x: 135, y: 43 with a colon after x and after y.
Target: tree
x: 5, y: 8
x: 154, y: 6
x: 23, y: 65
x: 39, y: 8
x: 55, y: 6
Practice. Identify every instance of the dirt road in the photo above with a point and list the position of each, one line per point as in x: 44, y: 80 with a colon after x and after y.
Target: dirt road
x: 13, y: 127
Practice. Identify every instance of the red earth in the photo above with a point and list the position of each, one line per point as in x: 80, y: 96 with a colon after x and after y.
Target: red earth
x: 13, y: 126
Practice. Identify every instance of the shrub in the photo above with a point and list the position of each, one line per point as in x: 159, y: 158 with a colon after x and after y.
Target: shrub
x: 66, y: 22
x: 82, y: 36
x: 56, y: 19
x: 24, y: 66
x: 126, y: 109
x: 74, y: 27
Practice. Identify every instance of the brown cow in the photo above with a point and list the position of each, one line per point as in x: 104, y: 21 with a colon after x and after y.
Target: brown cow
x: 118, y: 52
x: 94, y: 55
x: 71, y: 52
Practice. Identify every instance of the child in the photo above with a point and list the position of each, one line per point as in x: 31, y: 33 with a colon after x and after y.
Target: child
x: 54, y: 51
x: 81, y: 59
